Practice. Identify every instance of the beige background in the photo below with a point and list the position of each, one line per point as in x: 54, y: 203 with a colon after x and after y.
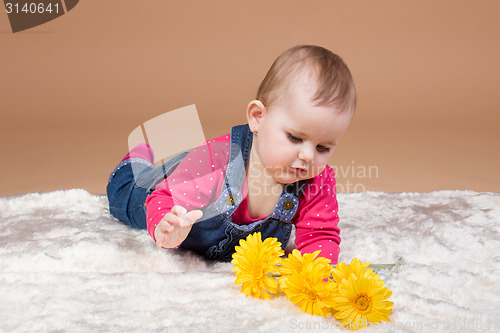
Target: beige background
x: 427, y: 74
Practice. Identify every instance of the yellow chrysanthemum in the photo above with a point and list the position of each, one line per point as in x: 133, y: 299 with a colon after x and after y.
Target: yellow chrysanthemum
x: 303, y: 281
x: 361, y: 299
x: 253, y: 260
x: 296, y: 262
x: 309, y: 290
x: 343, y: 271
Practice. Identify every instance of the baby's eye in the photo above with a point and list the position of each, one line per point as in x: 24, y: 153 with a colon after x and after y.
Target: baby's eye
x: 322, y: 149
x: 294, y: 138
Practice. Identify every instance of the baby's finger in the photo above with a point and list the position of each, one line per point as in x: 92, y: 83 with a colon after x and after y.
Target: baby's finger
x: 165, y: 227
x: 178, y: 210
x: 190, y: 218
x: 169, y: 222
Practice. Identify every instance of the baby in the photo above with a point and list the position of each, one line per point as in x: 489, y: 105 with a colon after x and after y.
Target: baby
x: 266, y: 176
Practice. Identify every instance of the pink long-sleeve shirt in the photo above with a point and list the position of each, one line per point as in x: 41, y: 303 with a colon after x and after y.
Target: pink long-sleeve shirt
x: 199, y: 179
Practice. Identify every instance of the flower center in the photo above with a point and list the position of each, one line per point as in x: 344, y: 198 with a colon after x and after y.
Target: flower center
x: 311, y: 295
x: 363, y: 302
x: 258, y: 272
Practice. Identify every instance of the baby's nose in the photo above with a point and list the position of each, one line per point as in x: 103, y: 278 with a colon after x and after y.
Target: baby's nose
x: 306, y: 154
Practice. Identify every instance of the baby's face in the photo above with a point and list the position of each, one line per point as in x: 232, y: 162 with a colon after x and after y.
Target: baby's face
x: 296, y: 138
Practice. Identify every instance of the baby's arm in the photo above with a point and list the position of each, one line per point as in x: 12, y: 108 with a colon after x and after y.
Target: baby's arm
x: 191, y: 187
x: 168, y: 223
x: 317, y: 218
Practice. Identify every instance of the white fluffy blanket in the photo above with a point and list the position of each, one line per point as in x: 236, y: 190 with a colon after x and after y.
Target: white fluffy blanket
x: 67, y: 265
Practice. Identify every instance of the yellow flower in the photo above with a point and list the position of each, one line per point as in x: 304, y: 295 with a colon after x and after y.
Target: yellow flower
x: 253, y: 260
x: 296, y: 262
x: 303, y: 282
x: 343, y: 271
x: 361, y: 299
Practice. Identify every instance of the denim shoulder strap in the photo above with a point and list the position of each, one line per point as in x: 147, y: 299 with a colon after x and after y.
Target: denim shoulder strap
x: 231, y: 194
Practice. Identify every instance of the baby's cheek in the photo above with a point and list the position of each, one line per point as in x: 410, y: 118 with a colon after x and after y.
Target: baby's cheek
x: 280, y: 158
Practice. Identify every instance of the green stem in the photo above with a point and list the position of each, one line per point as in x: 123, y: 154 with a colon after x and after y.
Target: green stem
x: 379, y: 266
x: 274, y: 275
x: 374, y: 267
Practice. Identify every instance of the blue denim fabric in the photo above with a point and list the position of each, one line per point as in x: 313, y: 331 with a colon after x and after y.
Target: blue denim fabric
x: 129, y: 185
x: 215, y: 237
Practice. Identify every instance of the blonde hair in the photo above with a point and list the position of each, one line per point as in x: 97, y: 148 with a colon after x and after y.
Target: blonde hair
x: 333, y: 77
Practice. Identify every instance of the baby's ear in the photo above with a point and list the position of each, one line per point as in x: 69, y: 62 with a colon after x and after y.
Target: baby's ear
x: 255, y: 113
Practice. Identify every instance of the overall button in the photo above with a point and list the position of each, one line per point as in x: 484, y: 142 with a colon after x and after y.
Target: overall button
x: 288, y: 204
x: 230, y: 199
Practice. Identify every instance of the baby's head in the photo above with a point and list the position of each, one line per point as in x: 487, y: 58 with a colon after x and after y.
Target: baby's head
x: 332, y: 77
x: 303, y: 106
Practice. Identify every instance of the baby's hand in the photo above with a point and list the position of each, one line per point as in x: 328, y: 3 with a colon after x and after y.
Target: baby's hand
x: 175, y: 226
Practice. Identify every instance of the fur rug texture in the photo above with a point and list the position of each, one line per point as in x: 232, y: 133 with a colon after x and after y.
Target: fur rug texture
x: 66, y: 265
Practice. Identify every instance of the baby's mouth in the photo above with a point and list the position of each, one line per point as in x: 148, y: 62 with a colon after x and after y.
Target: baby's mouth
x: 299, y: 171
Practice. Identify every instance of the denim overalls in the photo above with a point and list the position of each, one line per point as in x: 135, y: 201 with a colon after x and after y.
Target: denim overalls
x: 215, y: 237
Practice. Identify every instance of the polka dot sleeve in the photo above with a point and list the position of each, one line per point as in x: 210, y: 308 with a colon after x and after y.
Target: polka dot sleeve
x: 194, y: 183
x: 316, y: 219
x: 158, y: 204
